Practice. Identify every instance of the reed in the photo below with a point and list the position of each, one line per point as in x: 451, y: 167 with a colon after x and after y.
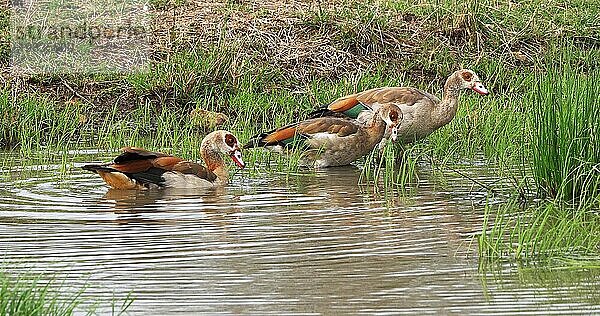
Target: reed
x: 392, y: 168
x: 565, y: 127
x: 561, y: 150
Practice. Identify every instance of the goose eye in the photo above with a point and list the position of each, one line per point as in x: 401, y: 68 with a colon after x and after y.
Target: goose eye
x: 467, y: 76
x: 230, y: 140
x: 393, y: 115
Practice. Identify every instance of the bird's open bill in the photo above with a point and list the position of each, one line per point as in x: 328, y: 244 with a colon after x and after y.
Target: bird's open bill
x: 394, y: 133
x: 236, y: 156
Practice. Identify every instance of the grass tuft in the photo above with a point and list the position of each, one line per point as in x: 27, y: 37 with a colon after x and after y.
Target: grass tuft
x: 31, y: 295
x: 565, y: 124
x: 547, y: 230
x: 29, y: 121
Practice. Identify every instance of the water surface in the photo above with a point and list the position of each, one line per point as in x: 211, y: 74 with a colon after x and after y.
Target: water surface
x: 313, y: 243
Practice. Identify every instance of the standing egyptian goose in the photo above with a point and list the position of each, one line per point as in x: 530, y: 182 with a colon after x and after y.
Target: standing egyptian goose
x: 423, y: 112
x: 331, y: 141
x: 137, y: 168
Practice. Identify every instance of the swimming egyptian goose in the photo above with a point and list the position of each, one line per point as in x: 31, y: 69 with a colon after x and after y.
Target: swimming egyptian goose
x: 137, y: 168
x: 331, y: 141
x: 423, y: 112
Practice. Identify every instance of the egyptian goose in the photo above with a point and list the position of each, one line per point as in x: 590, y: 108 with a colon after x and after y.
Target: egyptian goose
x: 331, y: 141
x: 137, y: 168
x: 423, y: 112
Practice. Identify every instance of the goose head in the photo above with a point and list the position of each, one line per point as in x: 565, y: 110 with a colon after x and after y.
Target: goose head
x: 392, y: 116
x: 469, y: 80
x: 225, y: 143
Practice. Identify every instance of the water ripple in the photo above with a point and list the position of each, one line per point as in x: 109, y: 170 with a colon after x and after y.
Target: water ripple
x: 303, y: 244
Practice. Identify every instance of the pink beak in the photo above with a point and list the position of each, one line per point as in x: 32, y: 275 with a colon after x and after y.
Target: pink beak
x: 236, y: 156
x: 479, y: 88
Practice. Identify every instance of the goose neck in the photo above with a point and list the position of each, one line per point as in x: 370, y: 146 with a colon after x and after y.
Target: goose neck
x: 213, y: 160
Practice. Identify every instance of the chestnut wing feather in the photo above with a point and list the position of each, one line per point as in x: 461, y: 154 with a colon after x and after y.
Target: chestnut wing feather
x: 281, y: 136
x: 331, y: 125
x: 292, y: 134
x: 134, y: 160
x: 343, y: 104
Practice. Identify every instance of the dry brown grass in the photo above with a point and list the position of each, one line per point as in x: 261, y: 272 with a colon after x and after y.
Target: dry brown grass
x: 300, y: 38
x: 297, y: 42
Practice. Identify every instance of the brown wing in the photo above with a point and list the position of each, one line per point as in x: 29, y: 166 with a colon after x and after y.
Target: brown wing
x: 289, y: 134
x: 331, y: 125
x: 352, y: 105
x: 134, y: 160
x: 145, y: 167
x: 400, y: 95
x: 151, y: 170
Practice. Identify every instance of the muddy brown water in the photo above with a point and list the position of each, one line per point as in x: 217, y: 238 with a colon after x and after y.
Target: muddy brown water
x: 300, y: 243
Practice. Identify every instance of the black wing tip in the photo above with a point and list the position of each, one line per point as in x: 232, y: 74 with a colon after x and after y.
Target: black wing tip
x: 127, y: 156
x: 152, y: 176
x: 256, y: 141
x: 96, y: 168
x: 322, y: 112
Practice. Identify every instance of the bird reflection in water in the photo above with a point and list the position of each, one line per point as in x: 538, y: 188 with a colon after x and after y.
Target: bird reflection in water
x: 165, y: 200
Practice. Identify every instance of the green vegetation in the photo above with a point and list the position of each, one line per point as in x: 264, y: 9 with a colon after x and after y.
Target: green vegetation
x: 565, y: 123
x: 31, y: 295
x: 267, y: 65
x: 32, y: 122
x: 548, y: 230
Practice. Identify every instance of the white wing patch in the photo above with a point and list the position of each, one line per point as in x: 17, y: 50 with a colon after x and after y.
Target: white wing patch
x: 276, y: 148
x: 324, y: 136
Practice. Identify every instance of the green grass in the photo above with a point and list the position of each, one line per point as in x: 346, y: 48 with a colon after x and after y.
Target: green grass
x: 493, y: 125
x: 31, y: 122
x: 31, y: 295
x: 563, y: 153
x: 394, y: 167
x: 553, y: 131
x: 565, y: 124
x: 550, y: 230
